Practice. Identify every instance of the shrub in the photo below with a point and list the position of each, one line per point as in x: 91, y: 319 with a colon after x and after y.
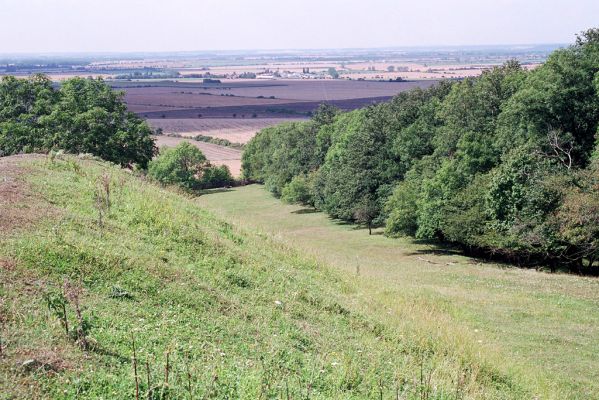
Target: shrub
x: 300, y: 190
x: 182, y: 165
x: 216, y: 176
x: 186, y: 166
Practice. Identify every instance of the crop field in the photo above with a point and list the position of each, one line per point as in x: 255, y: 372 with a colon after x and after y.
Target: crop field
x: 545, y: 326
x: 237, y: 110
x: 253, y: 99
x: 169, y: 97
x: 235, y: 130
x: 218, y: 155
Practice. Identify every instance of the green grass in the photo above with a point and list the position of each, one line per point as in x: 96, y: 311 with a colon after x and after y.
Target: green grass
x: 543, y: 327
x: 238, y: 314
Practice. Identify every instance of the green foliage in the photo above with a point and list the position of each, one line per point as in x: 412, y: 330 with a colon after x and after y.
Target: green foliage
x: 182, y: 165
x: 402, y: 209
x: 23, y: 104
x: 216, y: 176
x: 279, y: 153
x: 578, y: 218
x: 466, y: 220
x: 477, y: 162
x: 559, y: 96
x: 215, y: 140
x: 358, y: 164
x: 300, y: 190
x: 185, y: 165
x: 82, y: 116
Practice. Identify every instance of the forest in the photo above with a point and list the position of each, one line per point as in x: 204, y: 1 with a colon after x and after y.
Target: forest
x: 504, y: 165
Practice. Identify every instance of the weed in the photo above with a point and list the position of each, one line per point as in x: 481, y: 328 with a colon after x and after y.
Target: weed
x: 102, y: 198
x: 57, y: 304
x: 72, y: 292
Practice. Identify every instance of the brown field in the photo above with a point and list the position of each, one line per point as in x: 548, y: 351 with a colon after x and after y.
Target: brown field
x: 181, y: 108
x: 218, y: 155
x: 234, y: 130
x: 252, y: 99
x: 321, y: 90
x: 141, y: 99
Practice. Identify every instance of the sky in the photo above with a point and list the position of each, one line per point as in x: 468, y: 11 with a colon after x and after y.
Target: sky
x: 50, y: 26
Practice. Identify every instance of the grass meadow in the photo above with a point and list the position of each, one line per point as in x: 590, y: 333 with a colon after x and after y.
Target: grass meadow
x: 542, y: 327
x: 123, y: 289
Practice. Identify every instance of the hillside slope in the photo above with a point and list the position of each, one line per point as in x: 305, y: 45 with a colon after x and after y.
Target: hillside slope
x: 547, y: 324
x: 192, y: 306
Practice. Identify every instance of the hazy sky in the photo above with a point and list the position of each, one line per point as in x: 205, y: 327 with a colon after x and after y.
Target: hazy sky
x: 173, y: 25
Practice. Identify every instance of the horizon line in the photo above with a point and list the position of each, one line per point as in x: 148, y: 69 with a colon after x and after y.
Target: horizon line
x: 282, y: 50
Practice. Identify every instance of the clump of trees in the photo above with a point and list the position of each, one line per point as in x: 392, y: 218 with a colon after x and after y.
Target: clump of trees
x: 505, y: 164
x: 81, y: 116
x: 185, y: 165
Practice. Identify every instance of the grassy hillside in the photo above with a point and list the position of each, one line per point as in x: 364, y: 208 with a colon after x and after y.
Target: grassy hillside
x: 201, y: 308
x: 543, y: 325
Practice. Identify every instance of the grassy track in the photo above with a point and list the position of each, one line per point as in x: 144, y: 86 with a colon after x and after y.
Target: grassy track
x: 544, y: 327
x: 216, y: 311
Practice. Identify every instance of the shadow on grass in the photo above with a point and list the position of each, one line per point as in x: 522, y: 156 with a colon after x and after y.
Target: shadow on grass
x: 214, y: 191
x: 98, y: 349
x: 305, y: 211
x: 435, y: 248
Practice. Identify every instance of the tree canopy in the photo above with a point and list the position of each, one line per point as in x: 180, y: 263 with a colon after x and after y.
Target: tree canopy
x: 81, y: 116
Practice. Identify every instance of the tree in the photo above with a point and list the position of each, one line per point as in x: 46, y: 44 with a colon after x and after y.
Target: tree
x: 300, y: 190
x: 215, y: 176
x: 182, y: 165
x: 501, y: 164
x: 366, y: 211
x: 333, y: 73
x: 23, y: 105
x: 578, y: 218
x: 560, y: 96
x: 83, y: 116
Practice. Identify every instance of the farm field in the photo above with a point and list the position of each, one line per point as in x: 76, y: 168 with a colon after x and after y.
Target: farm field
x: 253, y: 99
x: 218, y: 155
x: 236, y: 111
x: 544, y: 326
x: 236, y: 130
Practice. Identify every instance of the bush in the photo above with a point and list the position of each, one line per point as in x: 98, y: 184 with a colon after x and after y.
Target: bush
x: 186, y: 166
x: 300, y: 190
x: 182, y: 165
x: 216, y: 176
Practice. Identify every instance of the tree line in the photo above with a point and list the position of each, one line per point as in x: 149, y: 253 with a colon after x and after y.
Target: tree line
x: 505, y: 164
